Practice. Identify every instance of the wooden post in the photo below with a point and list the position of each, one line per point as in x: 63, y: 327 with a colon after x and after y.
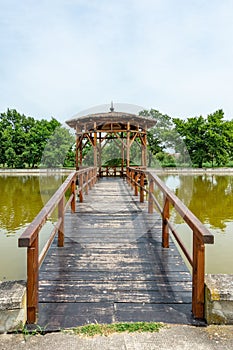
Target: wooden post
x: 78, y: 157
x: 144, y: 143
x: 122, y: 158
x: 128, y: 145
x: 32, y: 280
x: 141, y: 188
x: 81, y: 188
x: 165, y: 228
x: 95, y: 145
x: 73, y: 191
x: 132, y: 178
x: 90, y: 179
x: 91, y: 174
x: 100, y: 154
x: 135, y: 184
x: 128, y: 175
x: 198, y: 284
x: 77, y: 151
x: 61, y: 207
x: 95, y: 176
x: 86, y: 181
x: 150, y: 199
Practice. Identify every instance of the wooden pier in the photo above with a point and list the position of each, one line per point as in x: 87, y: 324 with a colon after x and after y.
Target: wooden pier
x: 112, y: 267
x: 110, y: 258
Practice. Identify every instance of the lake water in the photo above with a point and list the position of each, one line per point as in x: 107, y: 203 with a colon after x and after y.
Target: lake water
x: 21, y: 199
x: 209, y: 197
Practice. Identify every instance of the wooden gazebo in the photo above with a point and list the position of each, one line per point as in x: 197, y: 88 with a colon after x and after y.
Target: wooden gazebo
x: 99, y: 128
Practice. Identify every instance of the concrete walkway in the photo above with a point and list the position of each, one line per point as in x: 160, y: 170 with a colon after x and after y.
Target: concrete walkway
x: 175, y: 337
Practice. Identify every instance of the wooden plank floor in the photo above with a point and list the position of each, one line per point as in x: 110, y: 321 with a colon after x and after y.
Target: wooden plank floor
x: 112, y: 267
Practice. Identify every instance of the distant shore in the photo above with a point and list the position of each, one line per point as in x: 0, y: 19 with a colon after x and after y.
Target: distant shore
x: 201, y: 171
x: 7, y: 171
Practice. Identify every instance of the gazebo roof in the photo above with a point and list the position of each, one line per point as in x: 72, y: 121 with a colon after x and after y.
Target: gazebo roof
x: 115, y: 119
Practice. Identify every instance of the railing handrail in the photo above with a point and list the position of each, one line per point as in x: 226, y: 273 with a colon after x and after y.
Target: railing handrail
x: 188, y: 216
x: 30, y: 237
x: 27, y: 237
x: 201, y: 235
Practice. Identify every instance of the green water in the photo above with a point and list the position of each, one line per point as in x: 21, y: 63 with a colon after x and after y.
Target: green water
x: 21, y: 199
x: 209, y: 197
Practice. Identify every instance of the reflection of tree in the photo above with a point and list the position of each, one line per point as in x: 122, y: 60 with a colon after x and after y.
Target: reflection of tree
x: 20, y: 199
x: 211, y: 198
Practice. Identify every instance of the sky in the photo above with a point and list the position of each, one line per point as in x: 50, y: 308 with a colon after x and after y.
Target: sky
x: 62, y: 57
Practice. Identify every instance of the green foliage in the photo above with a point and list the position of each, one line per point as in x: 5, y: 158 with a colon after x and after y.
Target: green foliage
x: 161, y: 136
x: 58, y: 146
x: 106, y: 329
x: 165, y: 159
x: 23, y: 139
x: 30, y: 331
x: 207, y: 140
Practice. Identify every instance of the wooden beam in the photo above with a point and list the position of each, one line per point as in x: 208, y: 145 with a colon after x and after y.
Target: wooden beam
x: 95, y: 145
x: 144, y: 150
x: 128, y: 145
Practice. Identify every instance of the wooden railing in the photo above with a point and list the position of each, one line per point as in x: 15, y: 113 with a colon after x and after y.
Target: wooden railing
x: 85, y: 178
x: 201, y: 235
x: 113, y: 170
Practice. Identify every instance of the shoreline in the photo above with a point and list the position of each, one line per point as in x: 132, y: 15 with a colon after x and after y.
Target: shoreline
x: 7, y: 171
x: 194, y: 171
x: 197, y: 171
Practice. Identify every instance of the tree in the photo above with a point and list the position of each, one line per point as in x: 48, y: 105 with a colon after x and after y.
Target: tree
x: 22, y: 139
x: 207, y: 140
x: 57, y: 147
x: 161, y: 136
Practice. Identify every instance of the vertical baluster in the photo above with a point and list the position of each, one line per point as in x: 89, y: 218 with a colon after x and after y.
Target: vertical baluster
x: 81, y: 188
x: 61, y: 206
x: 198, y: 295
x: 165, y: 218
x: 132, y: 178
x: 32, y: 280
x: 73, y: 191
x: 86, y: 182
x: 141, y: 188
x: 136, y: 184
x: 150, y: 199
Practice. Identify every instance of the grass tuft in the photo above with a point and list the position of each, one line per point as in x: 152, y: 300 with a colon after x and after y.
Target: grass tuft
x: 91, y: 330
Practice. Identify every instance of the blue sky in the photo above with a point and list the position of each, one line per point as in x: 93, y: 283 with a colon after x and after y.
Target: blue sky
x: 59, y: 57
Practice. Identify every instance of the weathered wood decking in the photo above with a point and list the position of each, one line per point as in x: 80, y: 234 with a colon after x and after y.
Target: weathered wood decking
x: 113, y: 267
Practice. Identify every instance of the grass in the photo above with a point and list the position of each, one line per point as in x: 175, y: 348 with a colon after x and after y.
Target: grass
x: 91, y: 330
x: 27, y: 332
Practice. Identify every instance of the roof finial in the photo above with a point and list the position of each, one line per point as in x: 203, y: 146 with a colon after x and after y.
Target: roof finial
x: 111, y: 108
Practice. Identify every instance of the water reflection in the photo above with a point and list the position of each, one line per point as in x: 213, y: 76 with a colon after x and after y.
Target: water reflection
x: 22, y: 197
x: 209, y: 197
x: 212, y: 200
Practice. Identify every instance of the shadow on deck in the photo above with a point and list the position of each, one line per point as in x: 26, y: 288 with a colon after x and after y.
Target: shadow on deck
x: 113, y: 267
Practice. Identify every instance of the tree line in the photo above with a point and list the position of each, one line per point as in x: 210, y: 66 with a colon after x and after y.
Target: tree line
x: 27, y: 142
x: 194, y: 141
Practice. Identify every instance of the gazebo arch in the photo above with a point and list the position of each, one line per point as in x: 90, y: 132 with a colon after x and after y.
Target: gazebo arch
x: 99, y: 128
